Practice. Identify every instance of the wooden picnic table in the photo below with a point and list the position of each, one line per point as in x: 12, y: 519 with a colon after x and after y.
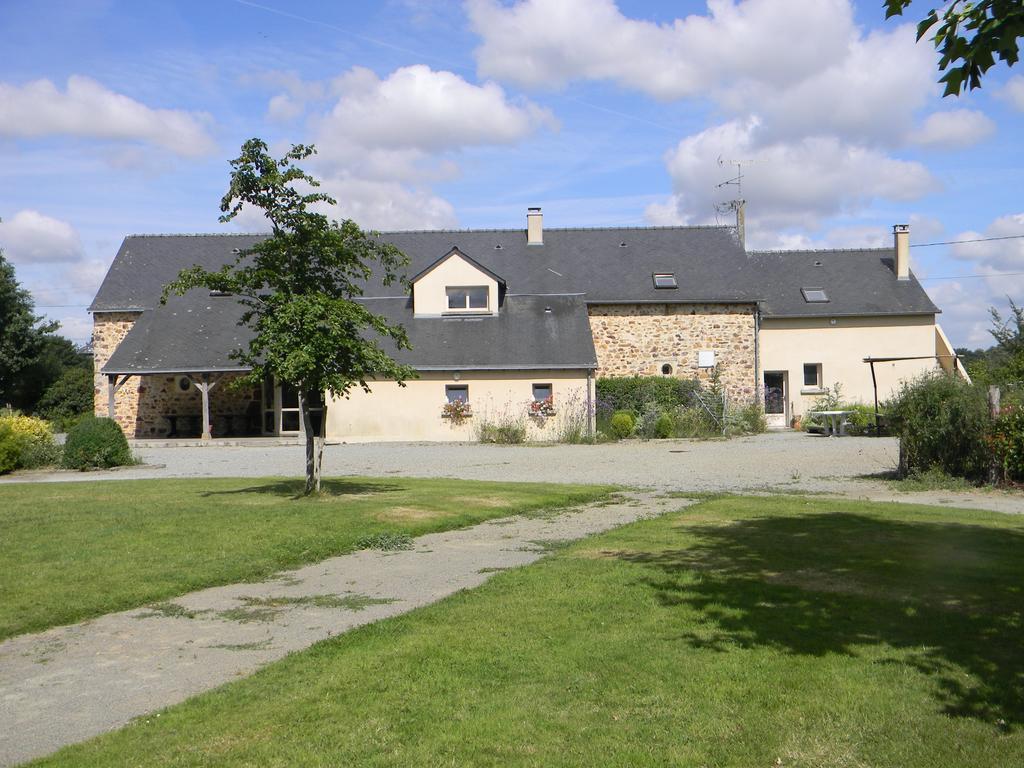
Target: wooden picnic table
x: 836, y: 421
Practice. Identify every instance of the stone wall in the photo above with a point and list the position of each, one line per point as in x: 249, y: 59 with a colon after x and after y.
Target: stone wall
x: 109, y: 330
x: 143, y: 402
x: 233, y: 410
x: 638, y: 339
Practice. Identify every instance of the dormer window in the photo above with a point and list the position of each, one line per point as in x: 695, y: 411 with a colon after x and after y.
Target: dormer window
x: 462, y: 298
x: 665, y: 280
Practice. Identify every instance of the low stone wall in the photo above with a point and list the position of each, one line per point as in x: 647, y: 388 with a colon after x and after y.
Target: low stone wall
x: 637, y: 339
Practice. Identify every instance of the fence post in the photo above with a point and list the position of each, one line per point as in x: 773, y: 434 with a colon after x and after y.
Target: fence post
x: 994, y: 473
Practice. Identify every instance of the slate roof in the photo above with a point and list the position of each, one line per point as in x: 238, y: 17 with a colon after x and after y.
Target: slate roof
x: 190, y: 334
x: 612, y: 265
x: 197, y: 332
x: 857, y: 282
x: 528, y: 332
x: 572, y: 268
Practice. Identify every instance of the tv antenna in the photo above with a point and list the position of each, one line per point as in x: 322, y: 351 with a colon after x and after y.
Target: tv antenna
x: 736, y: 204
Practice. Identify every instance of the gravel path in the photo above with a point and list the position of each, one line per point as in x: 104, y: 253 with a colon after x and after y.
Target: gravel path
x: 776, y: 461
x: 70, y: 683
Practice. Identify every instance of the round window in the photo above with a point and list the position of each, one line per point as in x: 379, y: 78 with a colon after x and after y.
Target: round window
x: 666, y: 369
x: 183, y: 383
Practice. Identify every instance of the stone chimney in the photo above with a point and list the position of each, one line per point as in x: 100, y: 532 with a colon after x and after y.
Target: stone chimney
x: 534, y: 227
x: 901, y: 238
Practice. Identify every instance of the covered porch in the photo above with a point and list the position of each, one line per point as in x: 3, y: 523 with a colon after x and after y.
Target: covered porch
x: 174, y: 376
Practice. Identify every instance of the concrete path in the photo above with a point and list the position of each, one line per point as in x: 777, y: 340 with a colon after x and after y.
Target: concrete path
x: 70, y: 683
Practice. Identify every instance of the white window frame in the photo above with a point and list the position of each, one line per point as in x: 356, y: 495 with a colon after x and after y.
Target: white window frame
x: 467, y: 288
x: 817, y: 386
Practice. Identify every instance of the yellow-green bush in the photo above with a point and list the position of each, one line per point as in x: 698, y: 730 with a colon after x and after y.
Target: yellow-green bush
x: 28, y: 442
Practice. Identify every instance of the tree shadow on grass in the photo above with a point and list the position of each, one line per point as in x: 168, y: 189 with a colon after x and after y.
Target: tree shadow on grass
x: 330, y: 488
x: 946, y: 597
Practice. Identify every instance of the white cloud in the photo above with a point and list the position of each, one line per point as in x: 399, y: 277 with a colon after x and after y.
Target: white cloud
x: 389, y: 205
x: 817, y: 101
x: 386, y: 140
x: 548, y: 43
x: 88, y: 109
x: 30, y: 237
x: 788, y: 184
x: 954, y: 129
x: 419, y: 108
x: 294, y: 93
x: 1013, y: 91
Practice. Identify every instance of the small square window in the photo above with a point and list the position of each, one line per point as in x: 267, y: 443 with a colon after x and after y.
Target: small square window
x: 541, y: 392
x: 814, y: 295
x: 665, y: 280
x: 470, y: 297
x: 457, y: 393
x: 812, y: 375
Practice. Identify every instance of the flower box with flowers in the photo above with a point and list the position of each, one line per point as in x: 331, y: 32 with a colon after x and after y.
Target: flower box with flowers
x: 542, y: 409
x: 456, y: 410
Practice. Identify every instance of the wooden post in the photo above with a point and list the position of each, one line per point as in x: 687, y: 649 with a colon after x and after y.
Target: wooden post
x: 874, y: 387
x: 111, y: 392
x: 204, y: 386
x: 994, y: 473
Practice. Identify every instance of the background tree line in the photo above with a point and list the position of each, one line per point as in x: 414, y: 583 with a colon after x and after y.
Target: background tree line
x: 41, y: 372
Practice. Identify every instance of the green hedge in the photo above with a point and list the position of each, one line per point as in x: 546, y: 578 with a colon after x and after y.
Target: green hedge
x: 636, y: 393
x: 96, y: 443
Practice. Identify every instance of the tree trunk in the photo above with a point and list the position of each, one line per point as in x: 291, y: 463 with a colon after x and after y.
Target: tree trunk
x: 314, y: 442
x: 320, y: 440
x: 312, y: 475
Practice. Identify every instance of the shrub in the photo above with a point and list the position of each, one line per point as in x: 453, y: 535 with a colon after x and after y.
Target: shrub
x: 941, y: 421
x: 622, y: 424
x: 636, y: 393
x: 746, y: 420
x: 573, y: 421
x: 664, y: 426
x: 96, y: 443
x: 67, y: 399
x: 29, y: 440
x: 506, y: 431
x: 1008, y: 442
x: 10, y: 448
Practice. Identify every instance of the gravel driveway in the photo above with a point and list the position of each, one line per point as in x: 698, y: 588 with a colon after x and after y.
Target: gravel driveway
x: 775, y: 461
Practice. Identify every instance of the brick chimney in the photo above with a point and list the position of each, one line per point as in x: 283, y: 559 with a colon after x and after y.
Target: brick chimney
x: 901, y: 240
x: 534, y: 227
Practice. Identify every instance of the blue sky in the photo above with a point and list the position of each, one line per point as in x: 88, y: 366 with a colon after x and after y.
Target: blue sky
x: 120, y: 117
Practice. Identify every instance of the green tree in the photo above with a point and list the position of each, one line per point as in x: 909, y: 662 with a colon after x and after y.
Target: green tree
x: 68, y: 398
x: 298, y: 287
x: 23, y: 336
x: 1007, y: 363
x: 970, y: 36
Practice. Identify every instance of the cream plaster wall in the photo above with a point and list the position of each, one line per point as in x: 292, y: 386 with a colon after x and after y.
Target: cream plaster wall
x: 429, y: 297
x: 413, y: 412
x: 786, y: 344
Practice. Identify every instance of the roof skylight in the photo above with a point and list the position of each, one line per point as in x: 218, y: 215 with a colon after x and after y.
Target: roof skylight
x: 814, y: 295
x: 665, y: 280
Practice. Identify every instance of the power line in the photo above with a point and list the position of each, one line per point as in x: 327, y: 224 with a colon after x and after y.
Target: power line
x: 975, y: 240
x: 970, y: 277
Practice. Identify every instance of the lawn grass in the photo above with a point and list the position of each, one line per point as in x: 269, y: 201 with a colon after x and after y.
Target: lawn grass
x: 71, y: 551
x: 747, y: 632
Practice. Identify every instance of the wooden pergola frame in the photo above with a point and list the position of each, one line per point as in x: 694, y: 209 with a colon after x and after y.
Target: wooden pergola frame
x: 874, y: 382
x: 204, y: 384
